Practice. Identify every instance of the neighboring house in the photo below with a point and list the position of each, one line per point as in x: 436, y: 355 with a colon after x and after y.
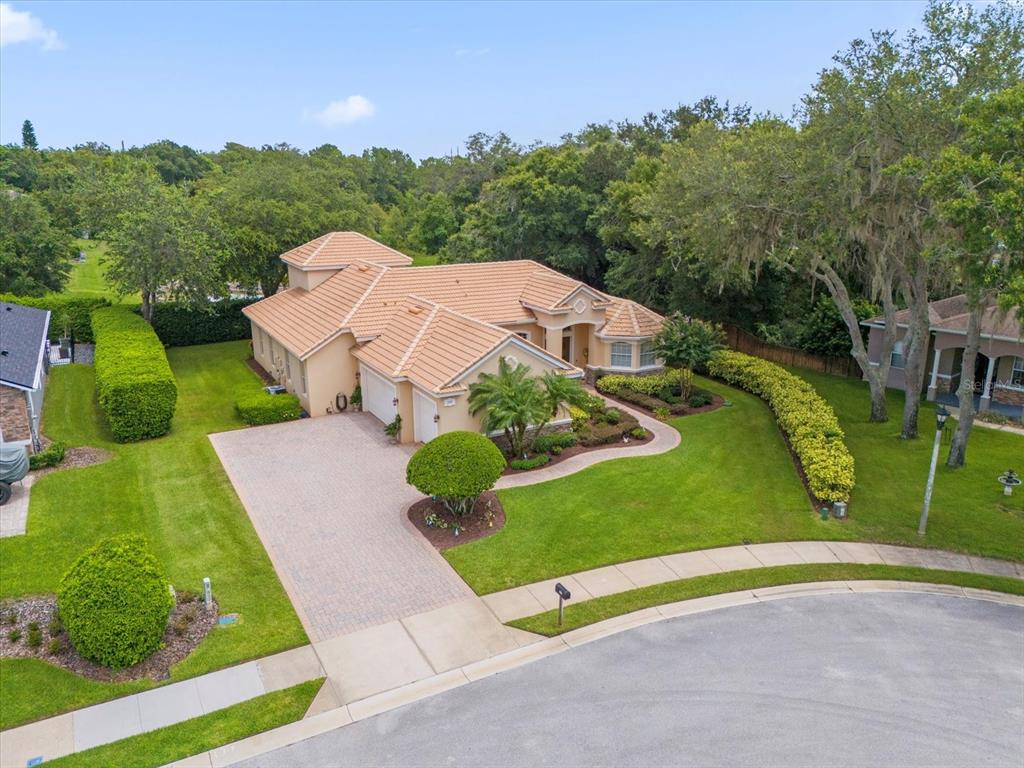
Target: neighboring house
x: 414, y: 339
x: 998, y: 375
x: 23, y: 369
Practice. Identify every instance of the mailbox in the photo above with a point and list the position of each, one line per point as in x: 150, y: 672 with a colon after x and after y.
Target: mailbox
x: 562, y: 592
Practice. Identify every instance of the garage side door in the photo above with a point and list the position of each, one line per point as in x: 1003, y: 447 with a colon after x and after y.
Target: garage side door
x: 424, y: 409
x: 378, y: 394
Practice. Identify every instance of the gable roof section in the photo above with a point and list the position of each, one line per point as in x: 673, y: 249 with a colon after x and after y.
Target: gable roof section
x: 951, y: 315
x: 432, y: 345
x: 627, y: 319
x: 339, y: 249
x: 23, y: 332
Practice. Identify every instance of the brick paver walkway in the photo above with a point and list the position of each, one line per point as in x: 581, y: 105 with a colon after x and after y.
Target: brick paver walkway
x: 327, y: 497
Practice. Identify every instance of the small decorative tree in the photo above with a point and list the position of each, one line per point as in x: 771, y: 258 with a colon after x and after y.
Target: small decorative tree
x: 510, y: 401
x: 559, y: 392
x: 456, y: 468
x: 114, y: 602
x: 688, y: 343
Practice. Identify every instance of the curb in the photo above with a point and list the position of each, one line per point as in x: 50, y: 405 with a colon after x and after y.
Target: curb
x: 292, y: 733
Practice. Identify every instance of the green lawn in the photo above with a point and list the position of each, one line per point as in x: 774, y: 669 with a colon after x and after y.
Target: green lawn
x: 601, y: 608
x: 87, y: 277
x: 174, y: 491
x: 732, y: 480
x: 424, y: 260
x: 192, y: 737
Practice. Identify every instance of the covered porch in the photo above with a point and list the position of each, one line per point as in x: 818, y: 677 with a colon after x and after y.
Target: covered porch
x: 997, y: 379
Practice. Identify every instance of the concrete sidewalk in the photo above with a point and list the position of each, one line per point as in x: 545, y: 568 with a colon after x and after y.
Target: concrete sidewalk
x: 530, y: 599
x: 131, y: 715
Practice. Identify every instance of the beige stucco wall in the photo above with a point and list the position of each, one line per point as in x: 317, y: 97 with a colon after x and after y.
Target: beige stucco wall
x: 298, y: 278
x: 330, y: 370
x: 535, y: 332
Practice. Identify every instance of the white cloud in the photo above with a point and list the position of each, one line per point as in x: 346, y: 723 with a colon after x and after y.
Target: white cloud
x: 347, y: 110
x: 464, y: 53
x: 23, y: 27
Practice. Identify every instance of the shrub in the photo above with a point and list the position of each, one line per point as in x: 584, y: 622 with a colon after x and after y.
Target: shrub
x: 394, y: 429
x: 51, y: 456
x: 357, y: 396
x: 637, y: 398
x: 662, y: 413
x: 114, y: 602
x: 14, y: 635
x: 134, y: 382
x: 700, y: 398
x: 55, y: 646
x: 66, y: 310
x: 54, y: 627
x: 532, y: 463
x: 182, y: 325
x: 34, y: 639
x: 806, y: 419
x: 601, y: 434
x: 612, y: 416
x: 579, y: 417
x: 456, y: 467
x: 255, y: 408
x: 547, y: 443
x: 616, y: 383
x: 639, y: 433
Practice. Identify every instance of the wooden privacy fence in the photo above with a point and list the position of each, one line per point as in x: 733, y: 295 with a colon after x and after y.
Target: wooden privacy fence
x: 748, y: 343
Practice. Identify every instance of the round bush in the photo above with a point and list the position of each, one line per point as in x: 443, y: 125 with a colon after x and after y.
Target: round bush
x: 115, y: 601
x: 456, y: 467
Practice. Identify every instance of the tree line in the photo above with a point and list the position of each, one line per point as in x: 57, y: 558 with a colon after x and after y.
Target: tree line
x: 898, y: 180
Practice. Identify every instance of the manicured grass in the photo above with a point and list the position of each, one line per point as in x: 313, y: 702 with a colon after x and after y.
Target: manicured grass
x: 172, y: 490
x: 968, y: 511
x: 423, y: 260
x: 87, y: 277
x: 200, y: 734
x: 730, y: 479
x: 601, y: 608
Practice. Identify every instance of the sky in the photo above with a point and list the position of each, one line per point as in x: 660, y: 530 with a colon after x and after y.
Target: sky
x: 420, y: 77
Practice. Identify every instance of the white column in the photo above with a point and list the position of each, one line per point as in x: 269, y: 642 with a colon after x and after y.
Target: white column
x: 986, y: 392
x: 933, y: 387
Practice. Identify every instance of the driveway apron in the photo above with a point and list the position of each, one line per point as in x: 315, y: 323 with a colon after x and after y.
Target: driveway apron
x: 328, y: 498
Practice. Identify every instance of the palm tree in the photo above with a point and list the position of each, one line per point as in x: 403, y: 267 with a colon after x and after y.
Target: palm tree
x: 560, y: 391
x: 510, y: 400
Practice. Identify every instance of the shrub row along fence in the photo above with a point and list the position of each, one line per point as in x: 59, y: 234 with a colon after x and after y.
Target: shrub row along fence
x: 134, y: 382
x: 183, y: 325
x: 807, y: 420
x: 68, y: 311
x: 748, y: 343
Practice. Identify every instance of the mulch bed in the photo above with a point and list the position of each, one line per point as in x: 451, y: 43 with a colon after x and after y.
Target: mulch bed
x: 487, y: 518
x: 80, y: 456
x: 260, y: 371
x: 576, y: 450
x: 189, y: 615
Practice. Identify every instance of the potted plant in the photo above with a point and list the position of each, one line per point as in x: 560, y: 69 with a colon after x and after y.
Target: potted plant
x: 356, y: 401
x: 394, y: 429
x: 65, y: 341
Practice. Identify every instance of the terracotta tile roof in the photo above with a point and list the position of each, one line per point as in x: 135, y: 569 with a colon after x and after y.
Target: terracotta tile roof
x: 431, y: 344
x: 339, y: 249
x: 627, y: 318
x: 951, y: 314
x: 303, y: 320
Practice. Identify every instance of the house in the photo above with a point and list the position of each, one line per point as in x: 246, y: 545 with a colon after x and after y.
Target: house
x: 998, y: 375
x: 23, y: 369
x: 414, y: 339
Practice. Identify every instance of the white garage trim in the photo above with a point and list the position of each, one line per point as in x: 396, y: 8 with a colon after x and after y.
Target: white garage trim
x: 378, y: 394
x: 424, y: 409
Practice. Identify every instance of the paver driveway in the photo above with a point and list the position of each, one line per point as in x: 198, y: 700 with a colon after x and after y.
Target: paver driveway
x: 328, y: 498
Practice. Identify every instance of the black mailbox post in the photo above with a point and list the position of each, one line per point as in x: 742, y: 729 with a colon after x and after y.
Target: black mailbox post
x: 563, y: 595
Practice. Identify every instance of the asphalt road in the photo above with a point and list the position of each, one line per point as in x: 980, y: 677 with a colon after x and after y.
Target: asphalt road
x: 844, y: 680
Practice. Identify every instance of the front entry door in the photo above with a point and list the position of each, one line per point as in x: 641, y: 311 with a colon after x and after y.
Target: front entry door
x: 567, y: 348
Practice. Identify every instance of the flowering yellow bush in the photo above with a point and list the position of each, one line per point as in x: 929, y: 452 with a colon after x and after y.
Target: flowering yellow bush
x: 651, y: 384
x: 804, y: 416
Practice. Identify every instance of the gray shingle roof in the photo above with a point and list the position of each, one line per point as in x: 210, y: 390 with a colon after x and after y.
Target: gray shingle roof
x: 22, y: 333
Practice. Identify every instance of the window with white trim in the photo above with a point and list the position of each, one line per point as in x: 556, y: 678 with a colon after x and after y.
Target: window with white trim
x: 896, y: 358
x: 646, y: 354
x: 1017, y: 373
x: 622, y: 354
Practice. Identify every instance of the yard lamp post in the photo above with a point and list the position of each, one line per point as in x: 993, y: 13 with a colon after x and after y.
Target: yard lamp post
x: 940, y: 419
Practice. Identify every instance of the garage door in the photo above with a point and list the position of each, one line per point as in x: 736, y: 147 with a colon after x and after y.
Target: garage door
x: 424, y: 408
x: 378, y: 394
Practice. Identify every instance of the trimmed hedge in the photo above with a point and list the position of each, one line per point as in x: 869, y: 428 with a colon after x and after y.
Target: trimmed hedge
x: 545, y: 443
x: 134, y: 382
x: 51, y: 456
x: 806, y: 419
x: 182, y: 325
x: 64, y: 307
x: 456, y: 467
x: 532, y: 463
x: 616, y: 383
x: 255, y: 408
x: 114, y: 602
